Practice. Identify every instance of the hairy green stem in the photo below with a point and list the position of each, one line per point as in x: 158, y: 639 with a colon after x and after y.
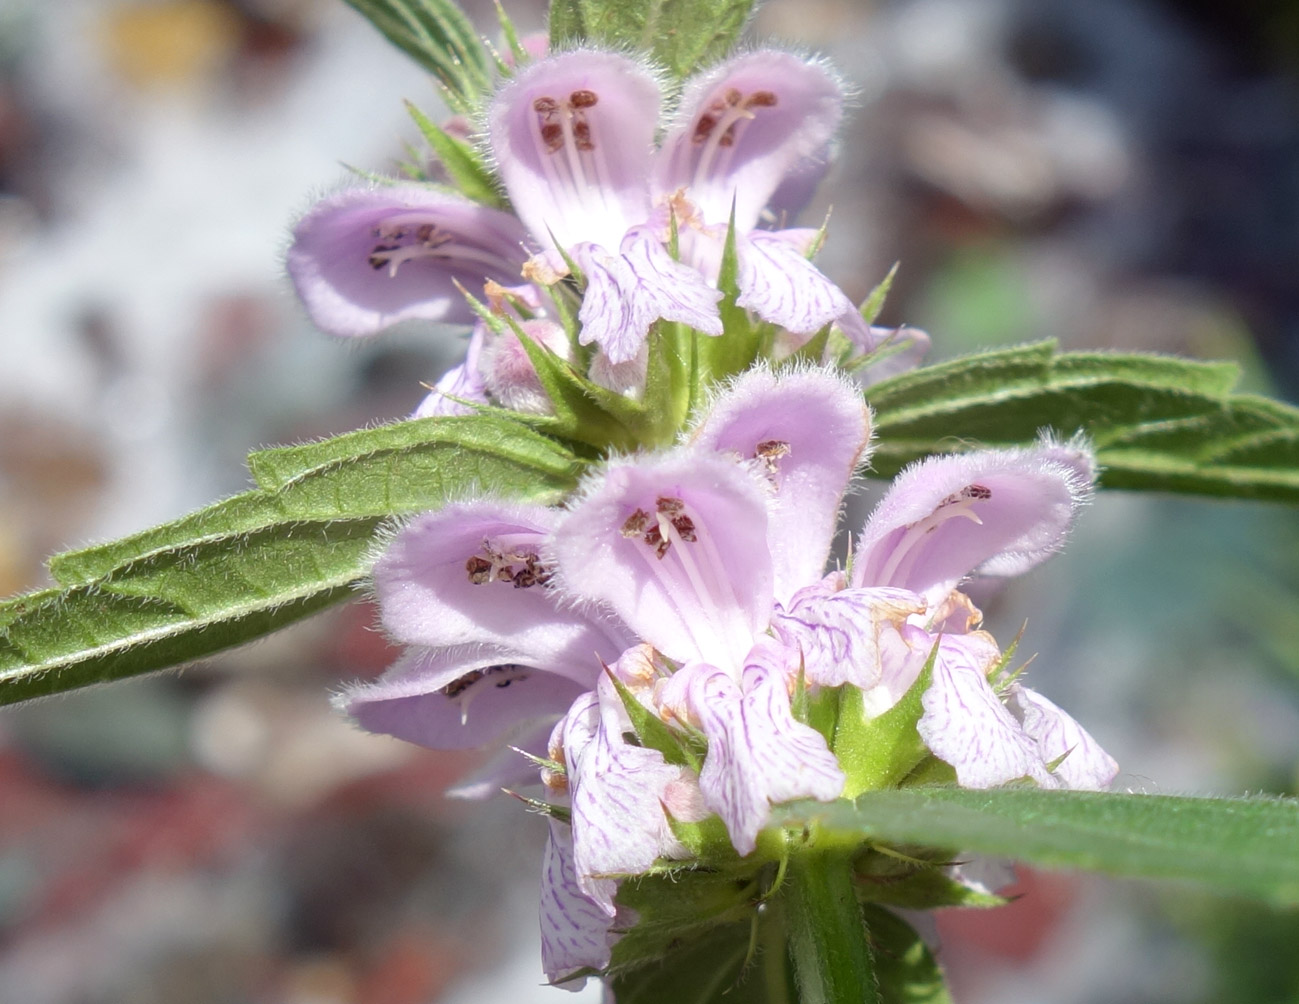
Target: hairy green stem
x: 827, y: 935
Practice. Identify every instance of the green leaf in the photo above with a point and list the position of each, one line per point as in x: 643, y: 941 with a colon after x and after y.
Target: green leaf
x: 871, y: 306
x: 1248, y: 846
x: 672, y: 908
x: 906, y: 969
x: 1158, y: 423
x: 683, y: 35
x: 399, y: 468
x: 256, y: 562
x: 464, y: 166
x: 438, y: 36
x: 703, y: 970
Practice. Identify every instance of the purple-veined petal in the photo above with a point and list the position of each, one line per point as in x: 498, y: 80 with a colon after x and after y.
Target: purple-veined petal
x: 849, y: 635
x: 575, y: 932
x: 807, y: 431
x: 471, y: 574
x: 758, y: 755
x: 573, y: 136
x: 1085, y: 766
x: 996, y: 512
x: 628, y: 290
x: 463, y: 697
x: 966, y: 725
x: 617, y: 792
x: 463, y: 382
x: 675, y: 546
x: 743, y: 128
x: 367, y: 258
x: 780, y: 285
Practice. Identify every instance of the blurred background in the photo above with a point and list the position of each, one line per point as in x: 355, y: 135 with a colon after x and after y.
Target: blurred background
x: 1119, y: 173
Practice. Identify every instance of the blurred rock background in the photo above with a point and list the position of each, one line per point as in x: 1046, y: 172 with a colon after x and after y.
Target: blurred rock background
x: 1121, y: 173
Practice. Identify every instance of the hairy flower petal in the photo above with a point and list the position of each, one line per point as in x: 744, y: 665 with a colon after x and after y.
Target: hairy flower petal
x: 617, y: 792
x: 462, y: 697
x: 744, y: 128
x: 573, y: 137
x: 996, y: 512
x: 807, y: 431
x: 676, y: 547
x: 367, y: 258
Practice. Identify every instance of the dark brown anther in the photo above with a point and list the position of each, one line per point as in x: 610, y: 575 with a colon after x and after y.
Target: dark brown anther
x: 760, y: 99
x: 733, y: 96
x: 582, y: 135
x: 479, y: 569
x: 379, y: 255
x: 424, y: 232
x: 704, y: 128
x: 655, y: 539
x: 669, y: 506
x: 545, y: 105
x: 979, y: 492
x: 636, y: 523
x: 552, y: 134
x: 457, y: 687
x: 685, y: 526
x: 583, y: 99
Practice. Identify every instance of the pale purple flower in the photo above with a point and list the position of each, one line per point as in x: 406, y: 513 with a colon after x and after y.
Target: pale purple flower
x: 573, y: 138
x: 987, y: 513
x: 494, y: 654
x: 756, y: 123
x: 689, y: 550
x: 366, y: 258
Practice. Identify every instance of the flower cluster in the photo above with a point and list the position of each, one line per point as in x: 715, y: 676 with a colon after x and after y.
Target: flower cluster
x: 653, y: 646
x: 691, y: 586
x: 641, y: 227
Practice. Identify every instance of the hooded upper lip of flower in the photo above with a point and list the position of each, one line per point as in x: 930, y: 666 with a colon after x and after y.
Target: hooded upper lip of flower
x: 573, y: 140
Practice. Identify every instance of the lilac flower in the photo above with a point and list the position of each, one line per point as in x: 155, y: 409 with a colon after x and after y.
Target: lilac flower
x: 754, y: 130
x: 572, y: 137
x: 694, y: 583
x: 990, y: 513
x: 367, y: 258
x: 493, y: 656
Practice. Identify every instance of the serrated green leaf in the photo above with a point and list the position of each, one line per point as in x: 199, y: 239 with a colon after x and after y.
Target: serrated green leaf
x: 1248, y: 846
x: 705, y: 969
x: 463, y: 164
x: 652, y: 732
x: 392, y: 469
x: 253, y: 563
x: 438, y: 36
x: 1158, y: 423
x: 916, y: 883
x: 682, y: 35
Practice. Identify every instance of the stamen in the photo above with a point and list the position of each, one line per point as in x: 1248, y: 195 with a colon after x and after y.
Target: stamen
x: 464, y: 689
x: 410, y: 236
x: 958, y: 505
x: 518, y: 565
x: 770, y: 452
x: 722, y: 122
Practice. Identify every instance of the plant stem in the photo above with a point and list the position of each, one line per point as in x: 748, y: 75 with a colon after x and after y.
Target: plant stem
x: 827, y: 935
